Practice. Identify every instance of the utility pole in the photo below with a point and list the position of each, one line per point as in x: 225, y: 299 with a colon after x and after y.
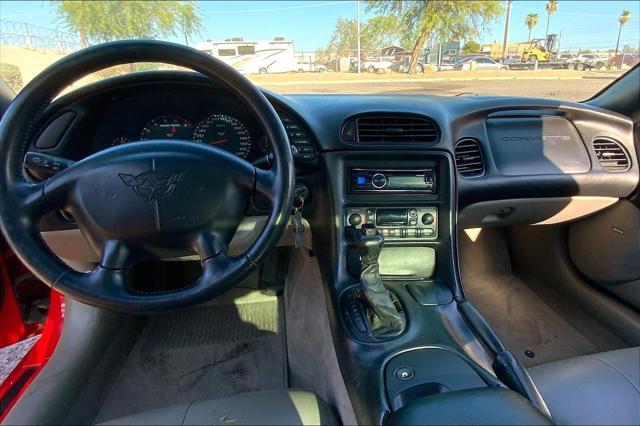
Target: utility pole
x: 506, y: 32
x: 358, y: 34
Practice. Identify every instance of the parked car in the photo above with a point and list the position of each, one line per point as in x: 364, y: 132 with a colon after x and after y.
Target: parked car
x: 512, y: 59
x: 311, y: 67
x: 481, y: 63
x: 376, y: 64
x: 592, y: 61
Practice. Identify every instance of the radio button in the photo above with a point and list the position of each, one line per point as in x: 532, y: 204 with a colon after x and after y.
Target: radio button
x: 378, y: 180
x: 384, y: 232
x: 413, y: 222
x: 428, y: 232
x: 413, y: 213
x: 411, y: 233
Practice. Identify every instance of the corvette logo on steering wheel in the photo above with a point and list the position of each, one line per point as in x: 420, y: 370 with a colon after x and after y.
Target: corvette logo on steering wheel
x: 153, y: 185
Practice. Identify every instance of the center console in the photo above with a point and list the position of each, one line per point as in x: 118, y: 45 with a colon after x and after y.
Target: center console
x: 393, y: 287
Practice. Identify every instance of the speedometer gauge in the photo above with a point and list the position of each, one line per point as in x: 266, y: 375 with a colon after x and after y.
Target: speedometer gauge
x: 225, y: 132
x: 167, y: 127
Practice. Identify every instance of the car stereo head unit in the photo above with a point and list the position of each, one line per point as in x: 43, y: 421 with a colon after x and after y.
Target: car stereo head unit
x: 405, y: 180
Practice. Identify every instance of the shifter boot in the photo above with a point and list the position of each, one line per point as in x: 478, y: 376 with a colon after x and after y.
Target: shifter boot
x: 383, y: 316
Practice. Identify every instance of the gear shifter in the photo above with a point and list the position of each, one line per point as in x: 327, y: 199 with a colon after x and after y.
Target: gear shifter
x: 382, y: 315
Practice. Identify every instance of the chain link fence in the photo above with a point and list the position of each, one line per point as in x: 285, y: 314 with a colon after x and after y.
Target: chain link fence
x: 36, y: 37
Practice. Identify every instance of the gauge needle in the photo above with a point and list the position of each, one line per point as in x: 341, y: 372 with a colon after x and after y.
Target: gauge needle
x: 220, y: 142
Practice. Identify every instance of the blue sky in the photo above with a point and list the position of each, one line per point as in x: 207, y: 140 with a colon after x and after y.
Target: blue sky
x: 585, y: 24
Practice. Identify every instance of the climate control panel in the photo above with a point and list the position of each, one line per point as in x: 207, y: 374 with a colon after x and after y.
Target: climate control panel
x: 397, y: 223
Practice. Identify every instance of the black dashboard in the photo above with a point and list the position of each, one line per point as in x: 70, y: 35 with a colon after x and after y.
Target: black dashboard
x: 529, y: 148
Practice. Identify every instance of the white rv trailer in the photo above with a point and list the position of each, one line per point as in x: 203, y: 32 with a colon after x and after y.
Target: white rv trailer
x: 253, y: 57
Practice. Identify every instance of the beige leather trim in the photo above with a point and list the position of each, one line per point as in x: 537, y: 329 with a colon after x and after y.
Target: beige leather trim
x: 73, y: 247
x: 530, y: 211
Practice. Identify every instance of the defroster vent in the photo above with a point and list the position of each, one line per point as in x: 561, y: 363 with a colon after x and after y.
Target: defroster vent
x: 468, y: 155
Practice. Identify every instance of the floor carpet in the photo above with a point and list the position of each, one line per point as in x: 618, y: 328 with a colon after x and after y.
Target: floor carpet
x: 232, y: 345
x: 528, y: 318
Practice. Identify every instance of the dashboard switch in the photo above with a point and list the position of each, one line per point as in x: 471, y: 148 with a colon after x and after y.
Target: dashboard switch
x: 355, y: 219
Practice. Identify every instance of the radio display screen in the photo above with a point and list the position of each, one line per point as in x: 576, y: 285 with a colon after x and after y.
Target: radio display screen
x: 406, y: 181
x: 391, y: 217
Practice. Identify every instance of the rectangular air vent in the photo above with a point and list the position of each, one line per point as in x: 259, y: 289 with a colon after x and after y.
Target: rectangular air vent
x: 611, y: 155
x: 390, y: 129
x: 468, y: 156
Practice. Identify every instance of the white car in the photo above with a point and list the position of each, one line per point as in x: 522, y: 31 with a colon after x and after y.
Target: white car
x: 376, y: 64
x: 592, y: 60
x: 481, y: 63
x: 311, y: 67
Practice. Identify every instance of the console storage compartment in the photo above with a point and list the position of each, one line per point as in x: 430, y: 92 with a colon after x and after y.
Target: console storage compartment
x: 426, y: 371
x: 480, y: 406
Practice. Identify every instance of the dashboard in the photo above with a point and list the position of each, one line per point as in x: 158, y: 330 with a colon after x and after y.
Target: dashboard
x: 529, y: 149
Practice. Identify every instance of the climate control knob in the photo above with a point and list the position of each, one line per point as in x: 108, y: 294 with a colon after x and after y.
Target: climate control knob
x: 379, y: 180
x: 355, y: 219
x: 427, y: 219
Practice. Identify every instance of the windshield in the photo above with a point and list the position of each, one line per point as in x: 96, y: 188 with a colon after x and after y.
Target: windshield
x: 553, y: 49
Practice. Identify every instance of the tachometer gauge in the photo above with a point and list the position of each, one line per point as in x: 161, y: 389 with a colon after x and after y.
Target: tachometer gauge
x: 225, y: 132
x: 167, y: 127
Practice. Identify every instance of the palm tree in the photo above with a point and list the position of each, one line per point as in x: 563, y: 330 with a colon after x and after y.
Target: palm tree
x: 531, y: 21
x: 622, y: 19
x: 552, y: 7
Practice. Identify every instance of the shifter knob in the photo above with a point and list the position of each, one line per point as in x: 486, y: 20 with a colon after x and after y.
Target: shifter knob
x: 369, y: 243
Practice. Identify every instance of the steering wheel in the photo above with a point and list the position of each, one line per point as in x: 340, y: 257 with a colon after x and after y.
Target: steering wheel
x: 143, y: 200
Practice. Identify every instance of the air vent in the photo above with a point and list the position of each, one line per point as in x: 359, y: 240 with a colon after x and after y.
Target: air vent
x: 469, y: 162
x: 390, y: 129
x: 611, y: 155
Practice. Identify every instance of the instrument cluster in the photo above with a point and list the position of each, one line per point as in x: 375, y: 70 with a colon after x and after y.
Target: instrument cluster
x: 192, y: 114
x: 221, y: 130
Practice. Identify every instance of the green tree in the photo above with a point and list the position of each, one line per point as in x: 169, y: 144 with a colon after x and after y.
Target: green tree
x: 622, y: 20
x: 374, y: 34
x: 189, y: 20
x: 101, y: 21
x: 531, y: 21
x: 439, y: 20
x: 551, y: 7
x: 471, y: 46
x: 11, y: 75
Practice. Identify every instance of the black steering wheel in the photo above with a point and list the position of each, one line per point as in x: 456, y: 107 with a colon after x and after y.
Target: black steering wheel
x: 145, y: 200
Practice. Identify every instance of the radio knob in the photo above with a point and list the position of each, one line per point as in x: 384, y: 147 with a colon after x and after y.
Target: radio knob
x: 355, y: 219
x: 427, y: 219
x: 378, y: 180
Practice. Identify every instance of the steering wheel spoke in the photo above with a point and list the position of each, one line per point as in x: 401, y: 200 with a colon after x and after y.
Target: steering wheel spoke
x: 266, y: 183
x: 115, y: 255
x: 31, y: 201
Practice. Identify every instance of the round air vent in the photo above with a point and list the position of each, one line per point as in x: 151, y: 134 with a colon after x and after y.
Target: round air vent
x: 611, y: 155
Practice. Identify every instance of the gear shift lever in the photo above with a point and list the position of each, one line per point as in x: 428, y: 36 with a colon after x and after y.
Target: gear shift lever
x: 383, y: 316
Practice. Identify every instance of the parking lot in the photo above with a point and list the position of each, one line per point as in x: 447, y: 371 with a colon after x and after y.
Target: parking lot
x: 560, y: 84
